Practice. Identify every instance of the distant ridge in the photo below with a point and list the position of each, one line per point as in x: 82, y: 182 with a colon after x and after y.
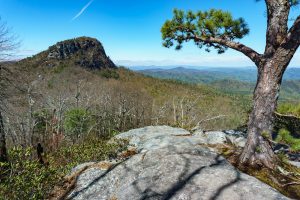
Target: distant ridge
x: 211, y: 74
x: 228, y: 79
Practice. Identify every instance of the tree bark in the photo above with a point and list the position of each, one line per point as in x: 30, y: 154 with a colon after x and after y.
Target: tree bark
x: 281, y: 45
x: 258, y: 150
x: 277, y: 25
x: 3, y: 151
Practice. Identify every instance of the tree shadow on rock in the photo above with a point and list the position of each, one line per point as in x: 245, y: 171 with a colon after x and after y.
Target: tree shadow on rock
x: 75, y: 194
x: 145, y: 187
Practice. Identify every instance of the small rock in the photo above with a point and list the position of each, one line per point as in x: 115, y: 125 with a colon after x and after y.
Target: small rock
x: 198, y: 132
x: 216, y: 137
x: 281, y: 148
x: 294, y: 157
x: 238, y: 141
x: 235, y: 133
x: 297, y: 164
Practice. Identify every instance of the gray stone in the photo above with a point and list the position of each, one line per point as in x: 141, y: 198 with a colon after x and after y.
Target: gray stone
x: 297, y: 164
x: 198, y: 132
x: 171, y: 165
x: 156, y: 137
x: 220, y: 137
x: 216, y: 137
x: 281, y: 148
x: 239, y: 142
x: 235, y: 133
x: 83, y: 51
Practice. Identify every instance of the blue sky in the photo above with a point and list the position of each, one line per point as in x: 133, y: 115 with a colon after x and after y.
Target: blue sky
x: 129, y: 29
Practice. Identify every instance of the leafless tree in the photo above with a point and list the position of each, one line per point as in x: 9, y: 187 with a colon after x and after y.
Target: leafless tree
x: 7, y: 45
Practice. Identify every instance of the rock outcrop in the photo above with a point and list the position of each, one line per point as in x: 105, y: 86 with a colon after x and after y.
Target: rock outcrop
x: 236, y: 138
x: 289, y: 122
x: 170, y: 163
x: 83, y: 51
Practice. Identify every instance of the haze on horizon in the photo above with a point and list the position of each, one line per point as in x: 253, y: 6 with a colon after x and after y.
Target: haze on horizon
x: 129, y: 29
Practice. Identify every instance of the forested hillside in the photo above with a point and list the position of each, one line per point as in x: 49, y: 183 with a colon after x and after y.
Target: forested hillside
x: 229, y: 80
x: 113, y: 100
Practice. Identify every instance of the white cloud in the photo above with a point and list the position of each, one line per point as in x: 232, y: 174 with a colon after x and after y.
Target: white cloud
x: 82, y: 10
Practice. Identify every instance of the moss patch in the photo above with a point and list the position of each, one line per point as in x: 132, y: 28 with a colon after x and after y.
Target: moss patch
x: 284, y: 136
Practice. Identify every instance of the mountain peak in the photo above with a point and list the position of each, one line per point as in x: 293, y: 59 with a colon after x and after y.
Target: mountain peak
x: 86, y: 52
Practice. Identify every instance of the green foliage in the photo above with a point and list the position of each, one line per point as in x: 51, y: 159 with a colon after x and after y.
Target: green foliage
x: 26, y: 178
x: 283, y: 157
x: 77, y: 122
x: 42, y: 119
x: 50, y: 84
x: 289, y: 109
x: 109, y: 73
x: 92, y: 149
x: 285, y: 136
x: 258, y: 149
x: 229, y: 80
x: 58, y: 69
x: 200, y: 27
x: 266, y: 135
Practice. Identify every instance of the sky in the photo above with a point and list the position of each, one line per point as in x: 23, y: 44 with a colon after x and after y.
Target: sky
x: 130, y: 29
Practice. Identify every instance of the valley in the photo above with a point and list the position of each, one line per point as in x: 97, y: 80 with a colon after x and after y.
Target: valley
x: 239, y: 80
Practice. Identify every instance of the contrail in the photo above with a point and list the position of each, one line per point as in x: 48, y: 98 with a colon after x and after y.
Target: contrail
x: 83, y: 9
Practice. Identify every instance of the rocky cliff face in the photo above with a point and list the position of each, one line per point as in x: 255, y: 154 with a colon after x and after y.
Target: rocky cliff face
x: 83, y: 51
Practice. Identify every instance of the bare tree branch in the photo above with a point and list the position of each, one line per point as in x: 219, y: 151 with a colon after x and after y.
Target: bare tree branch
x: 249, y: 52
x: 8, y: 41
x: 293, y: 37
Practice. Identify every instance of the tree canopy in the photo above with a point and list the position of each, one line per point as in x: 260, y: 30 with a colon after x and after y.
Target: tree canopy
x: 212, y: 29
x: 201, y: 27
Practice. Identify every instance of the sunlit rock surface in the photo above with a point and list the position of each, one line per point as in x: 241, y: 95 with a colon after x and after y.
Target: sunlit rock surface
x: 171, y: 164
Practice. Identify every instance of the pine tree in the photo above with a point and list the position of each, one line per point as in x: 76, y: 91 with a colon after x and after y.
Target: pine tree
x: 217, y: 29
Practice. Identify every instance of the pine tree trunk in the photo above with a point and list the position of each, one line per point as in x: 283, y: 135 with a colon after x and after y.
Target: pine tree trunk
x: 3, y: 151
x: 258, y: 151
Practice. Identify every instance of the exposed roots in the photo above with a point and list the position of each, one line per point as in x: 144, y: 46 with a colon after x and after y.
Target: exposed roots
x: 258, y: 155
x: 283, y: 177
